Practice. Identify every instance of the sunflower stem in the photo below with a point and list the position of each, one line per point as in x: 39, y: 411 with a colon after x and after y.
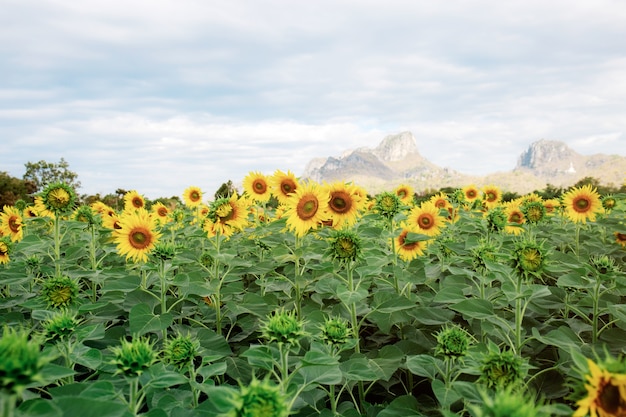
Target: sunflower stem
x: 8, y: 402
x: 57, y: 245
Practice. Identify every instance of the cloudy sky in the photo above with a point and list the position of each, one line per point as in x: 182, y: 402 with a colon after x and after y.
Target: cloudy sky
x: 157, y: 95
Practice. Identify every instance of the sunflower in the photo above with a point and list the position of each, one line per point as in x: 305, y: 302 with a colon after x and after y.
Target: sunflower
x: 11, y: 223
x: 41, y: 209
x: 30, y: 212
x: 160, y: 212
x: 226, y: 215
x: 111, y: 221
x: 5, y: 248
x: 133, y: 201
x: 551, y: 205
x: 606, y: 393
x: 137, y: 235
x: 283, y: 185
x: 409, y: 249
x: 491, y: 196
x: 307, y: 208
x: 582, y: 204
x: 470, y: 193
x: 427, y: 218
x: 620, y: 238
x: 59, y: 198
x: 514, y: 217
x: 405, y: 193
x: 256, y: 186
x: 192, y: 196
x: 344, y: 204
x: 440, y: 201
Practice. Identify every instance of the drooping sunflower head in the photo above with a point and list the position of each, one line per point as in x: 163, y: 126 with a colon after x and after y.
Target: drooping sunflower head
x: 604, y: 265
x: 307, y: 208
x: 133, y: 201
x: 164, y: 250
x: 61, y: 325
x: 137, y: 235
x: 256, y: 186
x: 132, y: 358
x: 181, y: 350
x: 86, y: 215
x: 192, y: 196
x: 59, y: 198
x: 5, y: 250
x: 529, y: 257
x: 283, y: 327
x: 345, y: 204
x: 484, y: 253
x: 582, y: 204
x: 452, y: 342
x: 345, y: 246
x: 496, y: 219
x: 259, y: 399
x: 427, y: 218
x: 406, y: 246
x: 534, y: 211
x: 283, y: 185
x: 60, y: 291
x: 502, y: 369
x: 387, y: 204
x: 405, y: 193
x: 22, y: 361
x: 11, y: 223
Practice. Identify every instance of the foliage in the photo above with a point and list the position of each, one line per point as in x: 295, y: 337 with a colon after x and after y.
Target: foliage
x: 43, y: 173
x: 14, y: 189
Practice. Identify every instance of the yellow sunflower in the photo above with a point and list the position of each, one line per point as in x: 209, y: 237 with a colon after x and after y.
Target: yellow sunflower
x: 582, y: 204
x: 514, y: 218
x: 440, y: 201
x: 426, y: 218
x: 228, y: 215
x: 491, y: 196
x: 102, y: 208
x: 4, y: 251
x: 192, y: 196
x: 11, y: 223
x: 137, y: 235
x: 551, y: 205
x: 406, y: 249
x: 620, y: 238
x: 344, y: 204
x: 256, y: 186
x: 405, y: 193
x: 133, y: 201
x: 470, y: 193
x: 606, y: 394
x: 161, y: 212
x: 30, y: 212
x: 306, y: 208
x: 41, y: 210
x: 283, y: 185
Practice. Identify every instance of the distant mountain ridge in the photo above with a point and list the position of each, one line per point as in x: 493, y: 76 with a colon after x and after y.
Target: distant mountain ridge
x: 397, y: 160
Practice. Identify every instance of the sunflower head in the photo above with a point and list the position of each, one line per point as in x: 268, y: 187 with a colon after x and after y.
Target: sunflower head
x: 5, y: 249
x: 192, y: 196
x: 534, y: 211
x: 600, y: 388
x: 335, y: 331
x: 164, y: 250
x: 283, y: 327
x: 61, y: 325
x: 85, y: 214
x: 60, y: 291
x: 133, y: 201
x: 470, y: 193
x: 482, y: 254
x: 496, y: 219
x: 604, y: 265
x: 507, y: 402
x: 491, y: 196
x: 582, y: 204
x: 22, y: 361
x: 345, y: 246
x: 620, y: 239
x: 452, y: 342
x: 136, y: 235
x: 256, y: 186
x: 406, y: 246
x: 132, y: 358
x: 529, y: 257
x: 259, y: 399
x: 502, y: 369
x: 20, y: 205
x: 59, y: 198
x: 181, y: 350
x: 283, y: 185
x: 405, y: 193
x: 387, y: 204
x: 609, y: 202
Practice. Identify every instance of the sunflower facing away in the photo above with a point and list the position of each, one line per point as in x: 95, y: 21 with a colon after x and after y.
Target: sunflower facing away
x: 283, y: 185
x: 256, y: 186
x: 11, y: 223
x: 427, y: 218
x: 192, y: 196
x: 606, y: 393
x: 408, y: 249
x: 137, y: 235
x: 582, y: 204
x: 133, y: 201
x: 307, y: 208
x: 344, y: 204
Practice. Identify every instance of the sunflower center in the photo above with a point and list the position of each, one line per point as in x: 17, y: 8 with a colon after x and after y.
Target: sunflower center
x: 425, y: 221
x: 137, y: 202
x: 14, y: 224
x: 440, y: 204
x: 515, y: 218
x: 162, y: 212
x: 621, y: 237
x: 491, y: 197
x: 471, y: 194
x: 61, y: 295
x: 531, y: 259
x: 340, y: 202
x: 259, y: 186
x: 581, y: 204
x: 609, y: 399
x: 403, y: 242
x: 287, y: 186
x: 307, y: 207
x: 58, y: 198
x: 140, y: 238
x: 194, y: 196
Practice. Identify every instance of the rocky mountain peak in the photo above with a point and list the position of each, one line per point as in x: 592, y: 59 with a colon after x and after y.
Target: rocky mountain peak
x: 396, y: 147
x: 544, y: 154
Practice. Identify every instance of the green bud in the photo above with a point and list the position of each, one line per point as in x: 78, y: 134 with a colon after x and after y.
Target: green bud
x: 21, y: 362
x: 135, y: 357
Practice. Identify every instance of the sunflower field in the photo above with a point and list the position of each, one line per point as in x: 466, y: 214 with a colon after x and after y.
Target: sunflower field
x: 304, y: 299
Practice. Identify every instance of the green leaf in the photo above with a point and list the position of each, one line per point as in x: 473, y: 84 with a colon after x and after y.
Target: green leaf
x: 91, y: 407
x: 260, y: 356
x: 39, y: 408
x: 358, y: 369
x: 405, y: 406
x: 445, y: 396
x: 423, y: 365
x: 142, y: 320
x: 348, y: 297
x: 474, y: 308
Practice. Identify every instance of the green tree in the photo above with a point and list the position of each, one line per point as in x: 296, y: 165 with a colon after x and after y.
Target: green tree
x: 13, y: 189
x: 226, y: 190
x: 43, y: 173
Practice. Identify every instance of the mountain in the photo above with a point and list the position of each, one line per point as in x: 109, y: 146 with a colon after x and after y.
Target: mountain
x: 397, y: 160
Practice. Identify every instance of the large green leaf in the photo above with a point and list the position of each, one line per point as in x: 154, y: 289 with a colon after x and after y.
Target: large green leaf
x: 142, y: 320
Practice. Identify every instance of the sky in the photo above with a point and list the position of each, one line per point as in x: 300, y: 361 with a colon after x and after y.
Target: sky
x: 159, y: 95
